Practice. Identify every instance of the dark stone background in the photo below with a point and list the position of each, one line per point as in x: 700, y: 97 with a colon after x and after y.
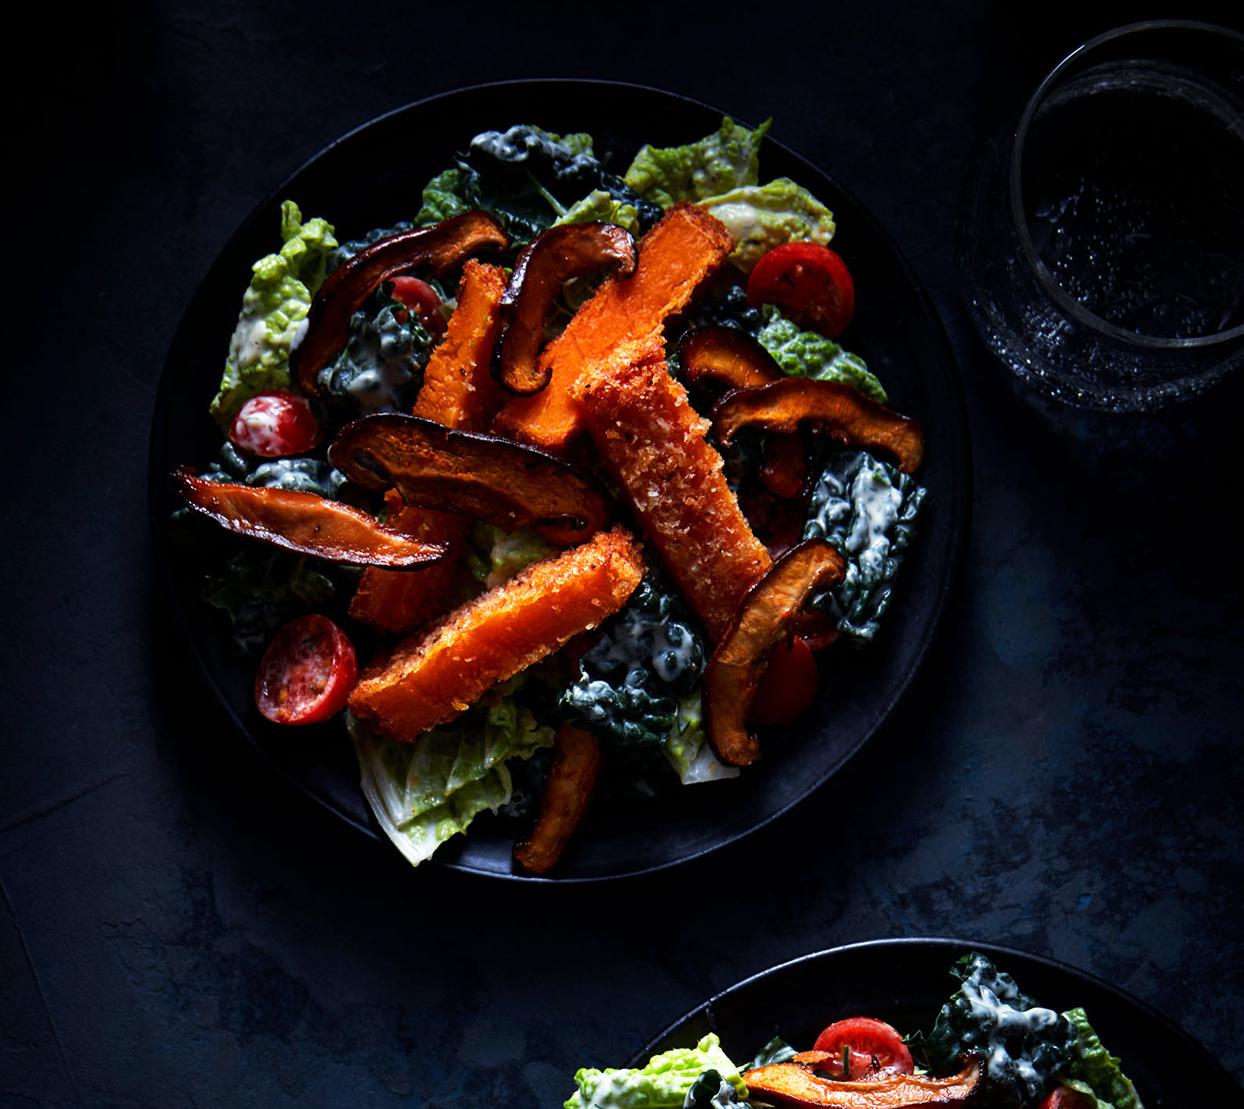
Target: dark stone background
x: 178, y: 928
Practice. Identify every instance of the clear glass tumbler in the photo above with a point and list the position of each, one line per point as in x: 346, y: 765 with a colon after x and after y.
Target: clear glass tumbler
x: 1102, y: 240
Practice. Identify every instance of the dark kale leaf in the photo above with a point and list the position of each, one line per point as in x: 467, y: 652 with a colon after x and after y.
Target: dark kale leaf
x: 731, y: 309
x: 260, y: 589
x: 343, y: 251
x: 867, y: 509
x: 1022, y: 1046
x: 301, y: 475
x: 777, y: 1050
x: 381, y: 366
x: 648, y: 656
x: 710, y: 1091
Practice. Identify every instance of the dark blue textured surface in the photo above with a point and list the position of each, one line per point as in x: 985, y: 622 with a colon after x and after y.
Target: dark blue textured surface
x: 178, y: 928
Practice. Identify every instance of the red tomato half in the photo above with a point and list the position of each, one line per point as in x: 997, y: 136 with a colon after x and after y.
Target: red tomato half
x: 1063, y: 1097
x: 275, y: 425
x: 421, y: 298
x: 867, y: 1039
x: 787, y: 686
x: 306, y: 673
x: 809, y: 283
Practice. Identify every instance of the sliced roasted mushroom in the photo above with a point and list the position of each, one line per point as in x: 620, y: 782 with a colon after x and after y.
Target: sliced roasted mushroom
x: 440, y: 247
x: 768, y: 613
x: 726, y: 356
x: 549, y: 260
x: 799, y: 1085
x: 567, y: 794
x: 484, y: 476
x: 304, y: 522
x: 841, y: 411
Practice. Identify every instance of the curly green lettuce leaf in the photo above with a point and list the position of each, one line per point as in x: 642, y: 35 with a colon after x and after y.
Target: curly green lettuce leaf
x: 761, y: 217
x: 717, y: 163
x: 600, y: 207
x: 423, y: 793
x: 867, y: 509
x: 687, y: 748
x: 663, y: 1083
x: 802, y: 353
x: 1092, y: 1066
x: 274, y: 311
x: 444, y: 197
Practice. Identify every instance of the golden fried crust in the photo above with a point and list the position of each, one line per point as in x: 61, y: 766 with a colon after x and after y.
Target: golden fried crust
x: 653, y: 444
x: 674, y: 257
x: 437, y: 674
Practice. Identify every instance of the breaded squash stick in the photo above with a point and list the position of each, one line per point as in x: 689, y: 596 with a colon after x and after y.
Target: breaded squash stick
x: 674, y: 257
x: 437, y: 674
x: 653, y: 443
x: 458, y: 391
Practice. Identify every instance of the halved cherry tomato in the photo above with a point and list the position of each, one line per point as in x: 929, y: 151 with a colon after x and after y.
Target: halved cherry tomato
x: 809, y: 283
x: 862, y: 1040
x: 1063, y: 1097
x: 275, y: 425
x: 306, y: 673
x: 421, y: 298
x: 787, y: 686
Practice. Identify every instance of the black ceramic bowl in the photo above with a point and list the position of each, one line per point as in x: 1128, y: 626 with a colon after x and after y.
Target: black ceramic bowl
x: 372, y: 177
x: 906, y: 981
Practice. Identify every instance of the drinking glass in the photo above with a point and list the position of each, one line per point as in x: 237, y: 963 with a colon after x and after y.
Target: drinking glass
x: 1102, y: 240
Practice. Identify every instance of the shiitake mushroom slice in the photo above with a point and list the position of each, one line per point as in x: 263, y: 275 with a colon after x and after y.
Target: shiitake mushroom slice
x: 482, y: 476
x: 542, y: 267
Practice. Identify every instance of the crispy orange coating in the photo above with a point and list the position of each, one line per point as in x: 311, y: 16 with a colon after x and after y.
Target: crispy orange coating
x: 653, y: 443
x: 437, y: 674
x: 567, y: 794
x: 458, y: 391
x: 674, y: 257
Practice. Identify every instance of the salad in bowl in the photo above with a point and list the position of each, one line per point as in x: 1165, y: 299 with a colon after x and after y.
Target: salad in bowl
x: 990, y: 1044
x: 564, y: 482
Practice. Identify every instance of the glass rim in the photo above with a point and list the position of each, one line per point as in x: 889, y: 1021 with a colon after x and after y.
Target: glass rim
x: 1068, y: 303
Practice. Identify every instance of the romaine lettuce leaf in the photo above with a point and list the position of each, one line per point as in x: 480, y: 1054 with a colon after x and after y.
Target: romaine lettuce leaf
x: 1092, y: 1065
x: 502, y: 554
x: 662, y: 1084
x: 687, y: 749
x: 423, y: 793
x: 443, y: 197
x: 600, y: 207
x: 809, y: 354
x: 761, y: 217
x: 274, y: 311
x: 719, y: 162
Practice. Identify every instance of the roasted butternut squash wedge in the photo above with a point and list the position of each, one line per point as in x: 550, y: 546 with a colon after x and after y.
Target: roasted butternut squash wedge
x: 437, y: 674
x: 458, y: 391
x: 839, y: 410
x: 654, y: 445
x: 481, y: 476
x: 439, y: 247
x: 793, y: 1084
x: 398, y: 600
x: 549, y: 260
x: 304, y: 522
x: 674, y: 257
x: 768, y: 614
x: 567, y: 795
